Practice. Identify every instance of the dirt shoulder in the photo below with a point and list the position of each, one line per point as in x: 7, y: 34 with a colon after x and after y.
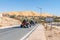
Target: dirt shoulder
x: 38, y: 34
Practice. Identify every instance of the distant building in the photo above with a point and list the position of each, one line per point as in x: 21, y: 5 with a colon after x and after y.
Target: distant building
x: 49, y: 19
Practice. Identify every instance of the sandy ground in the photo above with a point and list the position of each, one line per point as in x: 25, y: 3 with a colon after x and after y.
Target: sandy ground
x: 38, y: 34
x: 5, y: 21
x: 42, y: 34
x: 53, y: 34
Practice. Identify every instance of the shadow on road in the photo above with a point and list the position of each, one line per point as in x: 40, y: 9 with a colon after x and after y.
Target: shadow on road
x: 16, y: 27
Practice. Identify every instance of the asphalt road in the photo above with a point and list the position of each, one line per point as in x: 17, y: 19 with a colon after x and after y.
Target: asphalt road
x: 15, y: 33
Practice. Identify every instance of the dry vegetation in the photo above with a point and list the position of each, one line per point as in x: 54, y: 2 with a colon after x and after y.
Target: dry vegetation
x: 53, y: 34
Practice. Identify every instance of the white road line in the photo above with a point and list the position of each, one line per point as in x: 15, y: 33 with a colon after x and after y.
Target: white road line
x: 23, y: 38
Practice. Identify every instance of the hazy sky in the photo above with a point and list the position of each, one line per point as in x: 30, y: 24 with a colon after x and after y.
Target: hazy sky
x: 49, y: 6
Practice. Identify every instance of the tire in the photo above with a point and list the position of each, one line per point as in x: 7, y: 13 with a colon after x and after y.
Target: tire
x: 21, y: 26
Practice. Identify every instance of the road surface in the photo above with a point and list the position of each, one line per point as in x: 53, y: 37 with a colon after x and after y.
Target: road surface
x: 14, y: 33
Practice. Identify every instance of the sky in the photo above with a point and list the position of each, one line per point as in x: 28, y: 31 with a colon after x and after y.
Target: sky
x: 48, y: 6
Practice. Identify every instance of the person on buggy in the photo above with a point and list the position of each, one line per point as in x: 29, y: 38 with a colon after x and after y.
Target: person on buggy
x: 32, y: 22
x: 25, y: 24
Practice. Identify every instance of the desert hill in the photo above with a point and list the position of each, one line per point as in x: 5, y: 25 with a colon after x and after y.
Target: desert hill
x: 46, y: 14
x: 28, y: 13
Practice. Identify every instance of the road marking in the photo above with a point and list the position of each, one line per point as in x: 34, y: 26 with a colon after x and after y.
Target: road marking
x: 23, y: 38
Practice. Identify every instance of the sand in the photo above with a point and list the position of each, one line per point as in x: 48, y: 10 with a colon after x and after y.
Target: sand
x: 53, y: 34
x: 37, y: 34
x: 5, y: 21
x: 48, y: 34
x: 28, y: 13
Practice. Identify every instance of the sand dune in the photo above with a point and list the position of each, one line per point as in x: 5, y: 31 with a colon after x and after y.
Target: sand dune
x: 28, y: 13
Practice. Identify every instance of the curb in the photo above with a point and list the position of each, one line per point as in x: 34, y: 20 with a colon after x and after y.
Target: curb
x: 28, y: 34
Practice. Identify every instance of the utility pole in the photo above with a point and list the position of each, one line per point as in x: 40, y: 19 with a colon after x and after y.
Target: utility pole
x: 40, y: 9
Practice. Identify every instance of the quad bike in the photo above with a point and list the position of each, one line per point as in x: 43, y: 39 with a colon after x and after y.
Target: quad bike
x: 25, y: 25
